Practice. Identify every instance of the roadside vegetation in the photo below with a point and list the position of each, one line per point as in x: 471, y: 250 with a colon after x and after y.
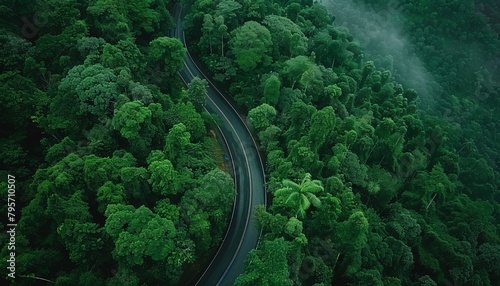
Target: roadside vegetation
x: 119, y: 178
x: 370, y: 181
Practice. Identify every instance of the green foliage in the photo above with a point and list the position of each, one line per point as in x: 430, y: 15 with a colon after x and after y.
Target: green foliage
x: 164, y: 179
x: 267, y: 265
x: 251, y: 44
x: 83, y: 240
x: 262, y: 116
x: 186, y: 114
x: 322, y: 126
x: 139, y: 234
x: 82, y: 117
x: 197, y: 90
x: 272, y: 90
x: 93, y: 89
x: 129, y: 117
x: 108, y: 194
x: 96, y: 122
x: 391, y: 169
x: 300, y: 197
x: 354, y: 171
x: 286, y: 36
x: 168, y: 53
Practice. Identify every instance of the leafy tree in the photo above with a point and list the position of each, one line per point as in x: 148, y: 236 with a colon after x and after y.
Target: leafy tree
x: 301, y: 155
x: 322, y: 126
x: 139, y: 234
x: 268, y: 265
x: 164, y: 179
x: 287, y: 37
x: 208, y: 29
x: 427, y: 185
x: 352, y: 237
x: 60, y: 45
x: 197, y: 92
x: 317, y: 14
x: 84, y: 241
x: 354, y: 171
x: 60, y: 150
x: 382, y: 186
x: 60, y: 208
x: 108, y: 194
x: 186, y: 114
x: 301, y: 115
x: 168, y: 54
x: 251, y: 44
x: 230, y: 11
x: 295, y: 67
x: 207, y: 208
x: 176, y: 142
x: 166, y: 209
x: 112, y: 57
x: 129, y: 117
x: 368, y: 68
x: 271, y: 90
x: 135, y: 182
x: 262, y: 116
x: 94, y: 89
x: 221, y: 31
x: 300, y: 197
x: 269, y: 137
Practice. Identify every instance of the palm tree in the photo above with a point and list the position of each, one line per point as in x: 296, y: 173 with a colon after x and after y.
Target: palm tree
x: 300, y: 197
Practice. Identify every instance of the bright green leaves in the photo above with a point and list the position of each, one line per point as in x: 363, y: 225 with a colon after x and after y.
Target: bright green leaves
x: 301, y: 154
x: 112, y: 57
x: 322, y: 126
x: 295, y: 67
x: 207, y: 207
x: 163, y: 178
x: 300, y: 197
x: 197, y: 93
x: 176, y: 142
x: 129, y: 117
x: 251, y: 44
x: 140, y: 234
x: 286, y: 35
x: 110, y: 193
x: 262, y: 116
x: 117, y: 20
x: 186, y: 114
x: 271, y: 90
x: 168, y: 53
x: 93, y: 88
x: 268, y: 265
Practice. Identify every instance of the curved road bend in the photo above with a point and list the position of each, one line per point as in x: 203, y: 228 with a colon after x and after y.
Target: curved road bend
x: 242, y: 235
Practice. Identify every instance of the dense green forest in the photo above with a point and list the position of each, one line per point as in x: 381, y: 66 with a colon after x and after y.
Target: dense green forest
x: 119, y: 180
x: 381, y: 155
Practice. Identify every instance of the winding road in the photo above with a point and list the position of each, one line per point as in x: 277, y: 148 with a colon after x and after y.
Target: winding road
x: 242, y: 235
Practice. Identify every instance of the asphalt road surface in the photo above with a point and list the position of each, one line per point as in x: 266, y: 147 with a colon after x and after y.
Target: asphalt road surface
x: 242, y: 235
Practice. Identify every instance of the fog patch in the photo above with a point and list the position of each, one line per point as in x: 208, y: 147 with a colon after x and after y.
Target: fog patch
x: 385, y: 44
